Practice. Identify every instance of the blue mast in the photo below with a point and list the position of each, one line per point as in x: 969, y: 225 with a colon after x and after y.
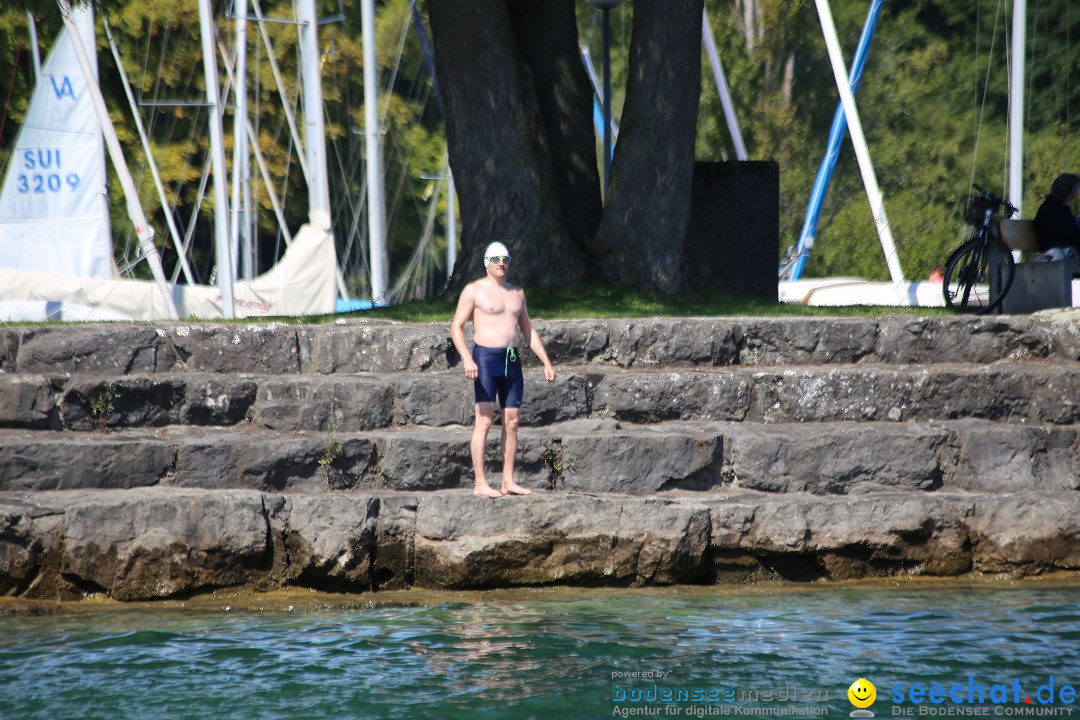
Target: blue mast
x: 836, y: 137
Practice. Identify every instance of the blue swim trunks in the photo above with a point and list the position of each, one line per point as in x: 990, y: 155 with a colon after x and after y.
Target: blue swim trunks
x: 499, y: 375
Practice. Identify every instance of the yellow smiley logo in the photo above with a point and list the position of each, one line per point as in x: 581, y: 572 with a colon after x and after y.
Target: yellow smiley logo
x: 862, y: 693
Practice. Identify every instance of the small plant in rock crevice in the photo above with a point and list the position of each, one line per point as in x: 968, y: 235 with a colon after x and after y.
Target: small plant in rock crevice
x: 101, y: 407
x: 332, y: 451
x: 557, y: 463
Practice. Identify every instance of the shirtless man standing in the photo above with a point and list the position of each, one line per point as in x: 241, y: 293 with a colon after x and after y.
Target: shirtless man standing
x: 498, y: 312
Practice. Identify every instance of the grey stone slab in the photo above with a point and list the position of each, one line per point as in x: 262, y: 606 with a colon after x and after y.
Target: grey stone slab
x: 159, y: 542
x: 138, y: 546
x: 835, y: 458
x: 362, y: 345
x: 271, y: 461
x: 95, y: 402
x: 114, y: 348
x: 658, y: 342
x: 308, y: 402
x: 793, y: 537
x: 1012, y: 393
x: 28, y: 401
x: 330, y: 540
x: 802, y: 341
x: 462, y: 541
x: 374, y: 347
x: 1025, y: 533
x: 236, y: 348
x: 641, y: 397
x: 583, y: 455
x: 46, y: 460
x: 642, y: 461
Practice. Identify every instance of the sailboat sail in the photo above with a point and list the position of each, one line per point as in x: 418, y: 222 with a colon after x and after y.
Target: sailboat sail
x: 54, y: 214
x: 56, y: 242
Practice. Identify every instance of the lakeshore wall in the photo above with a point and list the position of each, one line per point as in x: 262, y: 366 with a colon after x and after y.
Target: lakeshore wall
x: 147, y: 461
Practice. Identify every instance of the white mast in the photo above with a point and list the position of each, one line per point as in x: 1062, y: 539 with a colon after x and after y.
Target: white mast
x: 377, y: 260
x: 35, y: 52
x: 318, y: 176
x: 866, y: 167
x: 314, y: 133
x: 223, y: 254
x: 722, y: 88
x: 241, y: 235
x: 112, y: 143
x: 1016, y: 106
x: 451, y: 223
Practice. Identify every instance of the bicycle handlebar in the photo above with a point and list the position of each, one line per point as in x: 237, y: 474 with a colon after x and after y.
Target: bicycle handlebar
x: 1009, y: 208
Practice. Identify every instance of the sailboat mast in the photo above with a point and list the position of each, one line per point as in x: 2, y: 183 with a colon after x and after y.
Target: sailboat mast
x: 1016, y: 106
x: 314, y: 131
x: 217, y: 162
x: 241, y: 235
x: 377, y: 260
x: 35, y: 53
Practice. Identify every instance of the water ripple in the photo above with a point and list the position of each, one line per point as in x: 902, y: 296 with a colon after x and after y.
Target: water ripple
x: 540, y: 659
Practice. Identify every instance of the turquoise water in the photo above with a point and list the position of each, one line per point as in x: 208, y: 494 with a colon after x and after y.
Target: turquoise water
x: 550, y: 656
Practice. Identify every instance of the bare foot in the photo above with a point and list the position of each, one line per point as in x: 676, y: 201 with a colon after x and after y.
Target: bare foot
x: 486, y: 490
x: 509, y: 487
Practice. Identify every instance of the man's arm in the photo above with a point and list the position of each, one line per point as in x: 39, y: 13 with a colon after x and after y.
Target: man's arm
x: 465, y: 307
x: 528, y: 331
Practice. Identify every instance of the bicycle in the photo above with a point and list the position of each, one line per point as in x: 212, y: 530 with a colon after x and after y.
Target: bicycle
x: 979, y: 273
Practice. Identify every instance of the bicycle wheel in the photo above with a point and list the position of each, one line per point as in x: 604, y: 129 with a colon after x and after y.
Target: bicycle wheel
x: 977, y: 276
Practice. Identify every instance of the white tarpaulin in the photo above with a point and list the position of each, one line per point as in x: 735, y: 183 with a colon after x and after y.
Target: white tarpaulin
x: 54, y: 214
x: 301, y: 283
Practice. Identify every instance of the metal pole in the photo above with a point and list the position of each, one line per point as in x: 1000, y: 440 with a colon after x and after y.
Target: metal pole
x: 1016, y: 106
x: 225, y: 277
x: 314, y: 131
x: 451, y: 224
x: 866, y: 167
x: 241, y: 238
x: 722, y: 88
x: 376, y: 209
x: 832, y: 151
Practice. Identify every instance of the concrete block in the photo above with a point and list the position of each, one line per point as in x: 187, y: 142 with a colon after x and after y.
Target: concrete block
x: 1039, y: 285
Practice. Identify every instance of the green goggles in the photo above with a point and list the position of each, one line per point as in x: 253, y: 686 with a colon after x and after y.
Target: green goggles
x: 504, y: 259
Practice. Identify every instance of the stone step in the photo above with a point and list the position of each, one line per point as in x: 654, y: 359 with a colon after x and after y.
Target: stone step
x: 162, y: 542
x: 361, y: 345
x: 582, y: 456
x: 1015, y: 392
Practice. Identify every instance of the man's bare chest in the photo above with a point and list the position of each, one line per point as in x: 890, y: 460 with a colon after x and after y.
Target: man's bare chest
x: 499, y: 302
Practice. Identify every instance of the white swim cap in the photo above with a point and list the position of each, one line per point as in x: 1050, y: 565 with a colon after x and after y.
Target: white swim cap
x: 495, y: 249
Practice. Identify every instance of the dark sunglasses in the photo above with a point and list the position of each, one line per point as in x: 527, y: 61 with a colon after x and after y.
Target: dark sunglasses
x: 504, y: 259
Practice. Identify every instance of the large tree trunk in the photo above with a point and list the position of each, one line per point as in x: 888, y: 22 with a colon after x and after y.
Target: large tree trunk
x: 513, y: 135
x: 648, y: 203
x: 546, y: 32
